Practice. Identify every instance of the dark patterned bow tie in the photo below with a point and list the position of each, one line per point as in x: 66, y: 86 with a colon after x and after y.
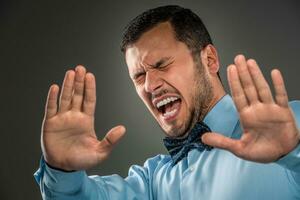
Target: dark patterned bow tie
x: 179, y: 148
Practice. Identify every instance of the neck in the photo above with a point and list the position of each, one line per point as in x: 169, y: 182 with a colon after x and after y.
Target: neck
x: 213, y: 102
x: 218, y: 93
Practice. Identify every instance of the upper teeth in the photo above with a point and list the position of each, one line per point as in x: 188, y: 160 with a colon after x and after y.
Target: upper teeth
x: 166, y: 101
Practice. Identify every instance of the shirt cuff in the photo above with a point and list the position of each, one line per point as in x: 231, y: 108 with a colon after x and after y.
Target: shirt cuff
x: 291, y: 161
x: 59, y: 181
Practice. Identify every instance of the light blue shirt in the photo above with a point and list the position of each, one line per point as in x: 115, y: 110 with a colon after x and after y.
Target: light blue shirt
x: 208, y: 175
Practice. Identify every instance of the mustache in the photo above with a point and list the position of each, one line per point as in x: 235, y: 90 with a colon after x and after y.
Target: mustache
x: 161, y: 92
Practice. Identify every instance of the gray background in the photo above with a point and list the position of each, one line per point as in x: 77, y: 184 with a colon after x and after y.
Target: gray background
x: 40, y: 40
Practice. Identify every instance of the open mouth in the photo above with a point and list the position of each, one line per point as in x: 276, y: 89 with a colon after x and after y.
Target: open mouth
x: 168, y: 107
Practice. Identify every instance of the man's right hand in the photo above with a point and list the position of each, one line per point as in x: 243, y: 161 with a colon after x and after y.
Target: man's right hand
x: 69, y: 141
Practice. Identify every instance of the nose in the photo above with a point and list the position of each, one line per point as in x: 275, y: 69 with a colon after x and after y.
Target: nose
x: 152, y: 82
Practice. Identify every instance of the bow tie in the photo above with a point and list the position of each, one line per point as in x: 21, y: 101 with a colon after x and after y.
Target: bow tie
x: 179, y: 148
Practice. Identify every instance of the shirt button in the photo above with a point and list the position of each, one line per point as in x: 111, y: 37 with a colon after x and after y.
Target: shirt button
x: 191, y: 168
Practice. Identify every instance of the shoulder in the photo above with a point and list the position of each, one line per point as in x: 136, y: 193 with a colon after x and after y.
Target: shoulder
x: 295, y: 106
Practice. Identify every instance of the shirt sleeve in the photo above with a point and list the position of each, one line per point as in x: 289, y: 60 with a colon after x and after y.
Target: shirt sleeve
x: 59, y: 185
x: 291, y: 161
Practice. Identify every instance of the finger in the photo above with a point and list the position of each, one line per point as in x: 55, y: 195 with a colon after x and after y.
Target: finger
x: 51, y: 105
x: 262, y: 87
x: 78, y: 87
x: 89, y: 103
x: 280, y: 91
x: 112, y: 138
x: 245, y: 78
x: 236, y: 89
x: 220, y: 141
x: 67, y: 91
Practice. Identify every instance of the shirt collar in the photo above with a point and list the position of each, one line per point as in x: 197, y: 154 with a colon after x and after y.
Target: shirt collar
x: 223, y: 117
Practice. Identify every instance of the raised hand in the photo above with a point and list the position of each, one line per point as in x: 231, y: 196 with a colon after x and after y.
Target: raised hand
x: 69, y: 141
x: 269, y: 127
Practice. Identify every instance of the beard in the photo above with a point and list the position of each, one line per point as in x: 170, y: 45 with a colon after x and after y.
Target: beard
x: 202, y: 97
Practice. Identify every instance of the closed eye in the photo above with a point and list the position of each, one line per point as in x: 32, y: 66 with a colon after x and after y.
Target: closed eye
x: 138, y: 76
x: 162, y: 63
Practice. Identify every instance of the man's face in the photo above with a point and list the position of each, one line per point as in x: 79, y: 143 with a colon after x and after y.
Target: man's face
x: 175, y: 89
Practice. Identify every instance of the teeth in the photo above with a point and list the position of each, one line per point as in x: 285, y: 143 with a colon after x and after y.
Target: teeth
x: 166, y: 101
x: 170, y: 113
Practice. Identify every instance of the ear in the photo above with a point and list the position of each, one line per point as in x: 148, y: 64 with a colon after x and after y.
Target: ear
x: 210, y: 59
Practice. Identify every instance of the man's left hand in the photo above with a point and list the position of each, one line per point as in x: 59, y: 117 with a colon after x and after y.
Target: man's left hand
x: 269, y: 127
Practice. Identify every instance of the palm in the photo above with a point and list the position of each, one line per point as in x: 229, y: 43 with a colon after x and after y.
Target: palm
x: 269, y: 127
x: 69, y: 140
x: 266, y: 134
x: 73, y: 134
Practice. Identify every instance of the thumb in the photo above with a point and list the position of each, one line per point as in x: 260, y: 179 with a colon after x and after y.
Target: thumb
x: 113, y: 137
x: 219, y: 141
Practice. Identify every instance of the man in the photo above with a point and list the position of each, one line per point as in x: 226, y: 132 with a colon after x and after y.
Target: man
x: 245, y: 148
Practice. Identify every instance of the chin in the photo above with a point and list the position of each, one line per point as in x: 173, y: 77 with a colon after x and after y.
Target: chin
x: 175, y: 130
x: 174, y: 126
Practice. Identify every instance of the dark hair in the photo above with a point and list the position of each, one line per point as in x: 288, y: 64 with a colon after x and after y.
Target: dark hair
x: 188, y: 27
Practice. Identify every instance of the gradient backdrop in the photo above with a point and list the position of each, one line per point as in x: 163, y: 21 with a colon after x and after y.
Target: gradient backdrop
x: 40, y: 40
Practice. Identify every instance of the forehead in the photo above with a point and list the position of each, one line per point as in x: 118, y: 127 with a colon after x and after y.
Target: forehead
x: 154, y: 44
